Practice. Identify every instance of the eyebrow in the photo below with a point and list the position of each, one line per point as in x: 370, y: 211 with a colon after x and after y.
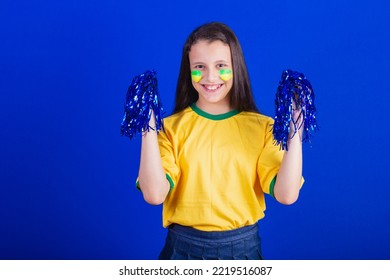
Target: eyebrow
x: 222, y: 61
x: 196, y: 63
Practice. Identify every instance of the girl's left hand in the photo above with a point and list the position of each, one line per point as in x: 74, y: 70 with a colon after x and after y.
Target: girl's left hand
x: 297, y: 122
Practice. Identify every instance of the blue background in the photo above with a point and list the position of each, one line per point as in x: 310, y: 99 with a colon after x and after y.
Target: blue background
x: 67, y: 176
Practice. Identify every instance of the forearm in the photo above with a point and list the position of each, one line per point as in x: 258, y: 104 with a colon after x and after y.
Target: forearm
x: 151, y: 177
x: 288, y: 181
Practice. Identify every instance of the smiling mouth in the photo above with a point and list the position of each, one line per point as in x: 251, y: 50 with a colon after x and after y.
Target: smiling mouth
x: 212, y: 87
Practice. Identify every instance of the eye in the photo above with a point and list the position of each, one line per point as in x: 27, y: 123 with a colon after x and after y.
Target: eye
x: 221, y: 65
x: 199, y: 67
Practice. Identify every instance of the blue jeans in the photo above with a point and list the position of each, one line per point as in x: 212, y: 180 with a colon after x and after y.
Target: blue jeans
x: 187, y: 243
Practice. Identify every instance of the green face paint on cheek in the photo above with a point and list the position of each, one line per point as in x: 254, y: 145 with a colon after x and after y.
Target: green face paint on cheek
x: 226, y: 74
x: 196, y: 75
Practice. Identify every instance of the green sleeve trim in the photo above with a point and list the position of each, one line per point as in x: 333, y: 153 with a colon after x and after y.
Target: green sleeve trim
x: 171, y: 184
x: 272, y: 187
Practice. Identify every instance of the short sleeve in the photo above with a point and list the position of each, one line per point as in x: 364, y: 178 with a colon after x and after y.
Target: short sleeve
x: 269, y: 161
x: 168, y: 154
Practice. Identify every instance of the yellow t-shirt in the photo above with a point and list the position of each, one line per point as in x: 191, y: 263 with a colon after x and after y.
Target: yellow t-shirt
x: 219, y: 167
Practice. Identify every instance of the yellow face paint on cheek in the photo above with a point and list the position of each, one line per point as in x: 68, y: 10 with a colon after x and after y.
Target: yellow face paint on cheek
x: 196, y: 75
x: 226, y: 74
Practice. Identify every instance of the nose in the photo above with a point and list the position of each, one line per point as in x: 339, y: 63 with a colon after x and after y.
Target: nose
x: 212, y: 75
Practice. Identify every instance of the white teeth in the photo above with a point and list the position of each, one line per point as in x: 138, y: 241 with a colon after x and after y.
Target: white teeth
x: 212, y: 87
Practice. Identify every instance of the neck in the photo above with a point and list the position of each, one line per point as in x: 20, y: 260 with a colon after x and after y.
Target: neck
x: 214, y: 109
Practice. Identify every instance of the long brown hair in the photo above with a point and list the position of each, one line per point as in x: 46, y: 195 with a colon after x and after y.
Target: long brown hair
x: 241, y: 93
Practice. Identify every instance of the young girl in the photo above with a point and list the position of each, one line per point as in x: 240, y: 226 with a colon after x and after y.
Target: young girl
x: 215, y: 159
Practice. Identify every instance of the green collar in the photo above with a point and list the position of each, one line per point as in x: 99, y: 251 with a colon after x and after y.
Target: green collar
x: 206, y: 115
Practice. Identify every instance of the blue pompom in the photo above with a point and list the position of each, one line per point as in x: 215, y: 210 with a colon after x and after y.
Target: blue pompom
x: 141, y: 98
x: 293, y: 86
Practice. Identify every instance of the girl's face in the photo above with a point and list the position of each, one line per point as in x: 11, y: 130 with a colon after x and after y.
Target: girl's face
x: 212, y: 76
